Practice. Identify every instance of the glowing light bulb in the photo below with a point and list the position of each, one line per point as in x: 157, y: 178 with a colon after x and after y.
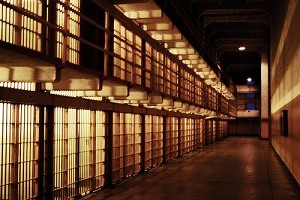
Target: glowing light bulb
x: 242, y: 48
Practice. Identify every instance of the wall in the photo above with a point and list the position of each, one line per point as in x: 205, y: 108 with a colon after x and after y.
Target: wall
x: 244, y: 127
x: 285, y: 81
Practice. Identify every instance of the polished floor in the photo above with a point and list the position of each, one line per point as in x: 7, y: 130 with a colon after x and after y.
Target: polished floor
x: 235, y: 168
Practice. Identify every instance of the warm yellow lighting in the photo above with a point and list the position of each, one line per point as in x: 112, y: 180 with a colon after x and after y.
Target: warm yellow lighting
x: 242, y: 48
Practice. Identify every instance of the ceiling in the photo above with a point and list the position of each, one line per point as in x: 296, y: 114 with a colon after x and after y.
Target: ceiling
x: 216, y: 28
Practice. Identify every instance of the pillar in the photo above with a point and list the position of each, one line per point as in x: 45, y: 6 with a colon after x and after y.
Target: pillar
x: 264, y: 94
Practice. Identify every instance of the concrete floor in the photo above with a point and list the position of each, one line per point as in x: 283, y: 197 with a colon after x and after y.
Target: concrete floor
x: 235, y: 168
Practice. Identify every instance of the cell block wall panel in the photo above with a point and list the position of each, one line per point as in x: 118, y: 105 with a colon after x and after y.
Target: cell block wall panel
x: 73, y: 44
x: 118, y: 147
x: 223, y: 129
x: 24, y: 27
x: 153, y: 140
x: 233, y: 108
x: 19, y: 144
x: 19, y: 85
x: 171, y: 78
x: 127, y: 54
x: 99, y: 144
x: 187, y: 138
x: 214, y: 130
x: 75, y: 167
x: 137, y: 60
x: 148, y: 65
x: 211, y: 98
x: 137, y: 124
x: 223, y: 105
x: 171, y: 138
x: 157, y: 69
x: 132, y: 144
x: 154, y: 69
x: 65, y: 154
x: 92, y: 33
x: 8, y: 23
x: 126, y: 145
x: 186, y: 86
x: 30, y: 28
x: 148, y: 141
x: 68, y: 20
x: 199, y: 92
x: 157, y: 140
x: 208, y: 131
x: 85, y: 151
x: 19, y: 29
x: 199, y: 133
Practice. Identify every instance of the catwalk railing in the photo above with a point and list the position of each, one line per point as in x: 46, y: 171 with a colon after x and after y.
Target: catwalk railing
x: 95, y: 38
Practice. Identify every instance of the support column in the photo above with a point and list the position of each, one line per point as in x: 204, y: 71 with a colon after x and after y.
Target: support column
x: 164, y: 139
x: 179, y: 136
x: 108, y: 148
x: 143, y: 143
x: 49, y: 149
x: 264, y: 95
x: 41, y: 152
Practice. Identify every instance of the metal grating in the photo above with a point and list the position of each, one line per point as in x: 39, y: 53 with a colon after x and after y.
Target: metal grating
x: 86, y: 137
x: 148, y: 141
x: 79, y: 145
x: 128, y: 56
x: 19, y: 85
x: 19, y: 144
x: 126, y: 145
x: 31, y: 30
x: 148, y: 65
x: 99, y: 146
x: 199, y: 133
x: 157, y: 140
x: 223, y: 129
x: 118, y: 146
x: 19, y: 29
x: 187, y: 138
x: 171, y: 138
x: 68, y: 20
x: 133, y: 144
x: 171, y: 78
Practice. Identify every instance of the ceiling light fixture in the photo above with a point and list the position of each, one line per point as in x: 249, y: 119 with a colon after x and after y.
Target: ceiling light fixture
x: 249, y: 79
x: 242, y: 48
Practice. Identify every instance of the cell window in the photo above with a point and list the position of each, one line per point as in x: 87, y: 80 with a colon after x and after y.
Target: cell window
x: 250, y: 106
x: 250, y: 96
